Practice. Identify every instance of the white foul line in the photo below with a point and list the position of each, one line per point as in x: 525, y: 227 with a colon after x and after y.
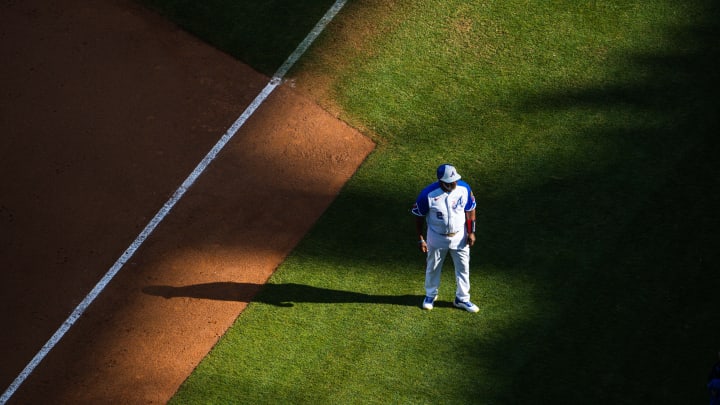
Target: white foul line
x: 168, y: 206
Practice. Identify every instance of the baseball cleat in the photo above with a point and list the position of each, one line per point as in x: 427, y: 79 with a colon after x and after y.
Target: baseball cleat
x: 428, y: 303
x: 466, y: 305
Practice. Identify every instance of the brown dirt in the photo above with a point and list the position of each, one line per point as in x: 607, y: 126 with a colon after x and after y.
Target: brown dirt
x: 105, y: 109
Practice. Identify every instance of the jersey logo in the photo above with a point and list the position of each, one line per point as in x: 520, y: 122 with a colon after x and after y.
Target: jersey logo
x: 457, y: 203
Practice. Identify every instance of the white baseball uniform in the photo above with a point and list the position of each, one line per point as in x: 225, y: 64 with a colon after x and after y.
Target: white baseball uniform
x: 444, y: 212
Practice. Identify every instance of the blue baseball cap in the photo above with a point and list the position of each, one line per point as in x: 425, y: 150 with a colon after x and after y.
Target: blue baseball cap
x: 447, y: 174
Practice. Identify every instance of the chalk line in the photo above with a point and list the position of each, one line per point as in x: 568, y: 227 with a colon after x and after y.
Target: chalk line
x: 168, y: 206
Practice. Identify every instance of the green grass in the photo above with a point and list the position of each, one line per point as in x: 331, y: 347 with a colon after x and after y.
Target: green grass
x: 588, y: 132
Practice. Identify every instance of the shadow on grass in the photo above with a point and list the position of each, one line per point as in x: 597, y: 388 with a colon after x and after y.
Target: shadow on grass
x: 622, y: 250
x: 625, y: 250
x: 281, y: 295
x: 260, y: 33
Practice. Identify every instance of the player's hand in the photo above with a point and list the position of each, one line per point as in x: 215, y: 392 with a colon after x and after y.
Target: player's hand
x: 423, y: 246
x: 471, y: 239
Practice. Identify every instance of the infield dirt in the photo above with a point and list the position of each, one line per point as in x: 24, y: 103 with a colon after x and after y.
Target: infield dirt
x: 105, y: 108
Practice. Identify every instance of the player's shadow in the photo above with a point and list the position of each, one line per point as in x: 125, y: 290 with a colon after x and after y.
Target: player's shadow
x: 282, y: 295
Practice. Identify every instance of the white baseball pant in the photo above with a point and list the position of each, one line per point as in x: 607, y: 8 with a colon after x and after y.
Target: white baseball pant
x: 461, y: 260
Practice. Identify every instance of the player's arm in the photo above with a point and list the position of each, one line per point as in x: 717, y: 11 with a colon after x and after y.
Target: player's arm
x: 470, y: 217
x: 420, y: 232
x: 419, y: 212
x: 470, y: 223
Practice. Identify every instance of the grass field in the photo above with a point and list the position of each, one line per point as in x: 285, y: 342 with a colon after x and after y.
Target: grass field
x: 588, y: 130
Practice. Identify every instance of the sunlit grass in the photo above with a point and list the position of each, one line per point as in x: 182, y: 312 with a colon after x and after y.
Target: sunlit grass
x: 587, y: 130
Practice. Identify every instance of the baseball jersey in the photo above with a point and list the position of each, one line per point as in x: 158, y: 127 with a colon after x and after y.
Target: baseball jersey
x: 444, y: 211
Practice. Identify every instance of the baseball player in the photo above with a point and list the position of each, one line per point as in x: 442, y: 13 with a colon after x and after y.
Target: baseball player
x: 448, y: 208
